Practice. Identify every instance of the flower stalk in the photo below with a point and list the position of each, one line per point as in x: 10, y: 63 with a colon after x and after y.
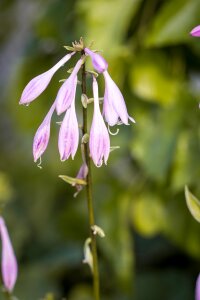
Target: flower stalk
x: 89, y: 195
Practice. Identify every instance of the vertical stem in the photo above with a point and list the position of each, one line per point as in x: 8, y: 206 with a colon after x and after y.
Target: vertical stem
x: 89, y: 196
x: 7, y: 295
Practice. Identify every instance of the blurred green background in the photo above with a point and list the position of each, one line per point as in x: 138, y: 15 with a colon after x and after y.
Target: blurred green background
x: 152, y: 245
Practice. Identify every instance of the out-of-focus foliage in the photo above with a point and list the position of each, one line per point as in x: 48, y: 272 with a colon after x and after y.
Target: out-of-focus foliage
x: 193, y: 204
x: 152, y: 244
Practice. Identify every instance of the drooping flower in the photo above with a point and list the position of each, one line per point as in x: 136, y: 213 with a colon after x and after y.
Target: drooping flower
x: 39, y: 83
x: 99, y: 63
x: 99, y: 141
x: 8, y: 261
x: 41, y: 138
x: 196, y: 31
x: 114, y: 108
x: 69, y: 133
x: 197, y: 290
x: 66, y: 92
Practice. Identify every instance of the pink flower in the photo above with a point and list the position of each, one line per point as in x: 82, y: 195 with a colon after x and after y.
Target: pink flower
x: 114, y: 108
x: 8, y: 261
x: 38, y: 84
x: 197, y: 291
x: 69, y: 133
x: 66, y: 92
x: 195, y: 31
x: 99, y: 63
x: 41, y: 138
x: 99, y: 141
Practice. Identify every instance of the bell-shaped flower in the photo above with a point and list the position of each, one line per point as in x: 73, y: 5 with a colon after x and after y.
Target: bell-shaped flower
x: 68, y: 89
x: 99, y: 141
x: 99, y: 63
x: 39, y: 83
x: 114, y: 108
x: 8, y: 261
x: 69, y: 133
x: 195, y: 31
x: 197, y: 290
x: 41, y: 138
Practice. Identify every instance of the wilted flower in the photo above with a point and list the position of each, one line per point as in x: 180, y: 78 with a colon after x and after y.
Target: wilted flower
x: 99, y: 142
x: 66, y: 93
x: 38, y: 84
x: 42, y: 135
x: 82, y: 174
x: 197, y: 291
x: 99, y: 63
x: 114, y: 107
x: 69, y: 133
x: 8, y: 260
x: 195, y: 31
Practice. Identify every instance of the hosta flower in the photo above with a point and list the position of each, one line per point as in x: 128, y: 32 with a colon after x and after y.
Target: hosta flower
x: 99, y: 63
x: 197, y: 291
x: 8, y: 260
x: 38, y: 84
x: 69, y: 133
x: 99, y: 142
x: 41, y: 138
x: 195, y: 31
x: 114, y: 107
x: 66, y: 92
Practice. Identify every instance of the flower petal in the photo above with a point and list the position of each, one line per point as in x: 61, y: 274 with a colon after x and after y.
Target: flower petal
x: 38, y: 84
x: 196, y: 31
x: 9, y: 262
x: 99, y: 142
x: 99, y: 63
x: 69, y: 134
x: 66, y: 92
x: 114, y: 105
x: 41, y: 138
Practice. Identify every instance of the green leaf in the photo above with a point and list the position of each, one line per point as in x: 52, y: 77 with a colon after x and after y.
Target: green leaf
x: 150, y: 76
x: 193, y: 204
x: 72, y: 180
x: 173, y: 23
x: 113, y: 25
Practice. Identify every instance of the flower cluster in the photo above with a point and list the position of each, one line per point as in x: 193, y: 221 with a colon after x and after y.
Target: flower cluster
x: 114, y: 110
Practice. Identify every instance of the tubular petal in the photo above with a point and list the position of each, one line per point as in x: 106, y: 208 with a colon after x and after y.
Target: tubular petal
x: 8, y: 261
x: 99, y: 63
x: 38, y: 84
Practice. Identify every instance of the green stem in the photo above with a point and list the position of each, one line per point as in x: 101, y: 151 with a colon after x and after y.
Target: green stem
x: 7, y: 295
x: 89, y: 196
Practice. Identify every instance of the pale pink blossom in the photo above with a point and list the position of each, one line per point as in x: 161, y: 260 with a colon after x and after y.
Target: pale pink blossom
x: 8, y: 260
x: 41, y: 138
x: 99, y: 63
x: 114, y: 107
x: 68, y: 89
x: 99, y: 141
x: 39, y: 83
x: 69, y: 133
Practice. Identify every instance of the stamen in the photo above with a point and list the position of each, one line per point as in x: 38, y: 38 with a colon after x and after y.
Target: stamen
x: 113, y: 133
x: 40, y: 162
